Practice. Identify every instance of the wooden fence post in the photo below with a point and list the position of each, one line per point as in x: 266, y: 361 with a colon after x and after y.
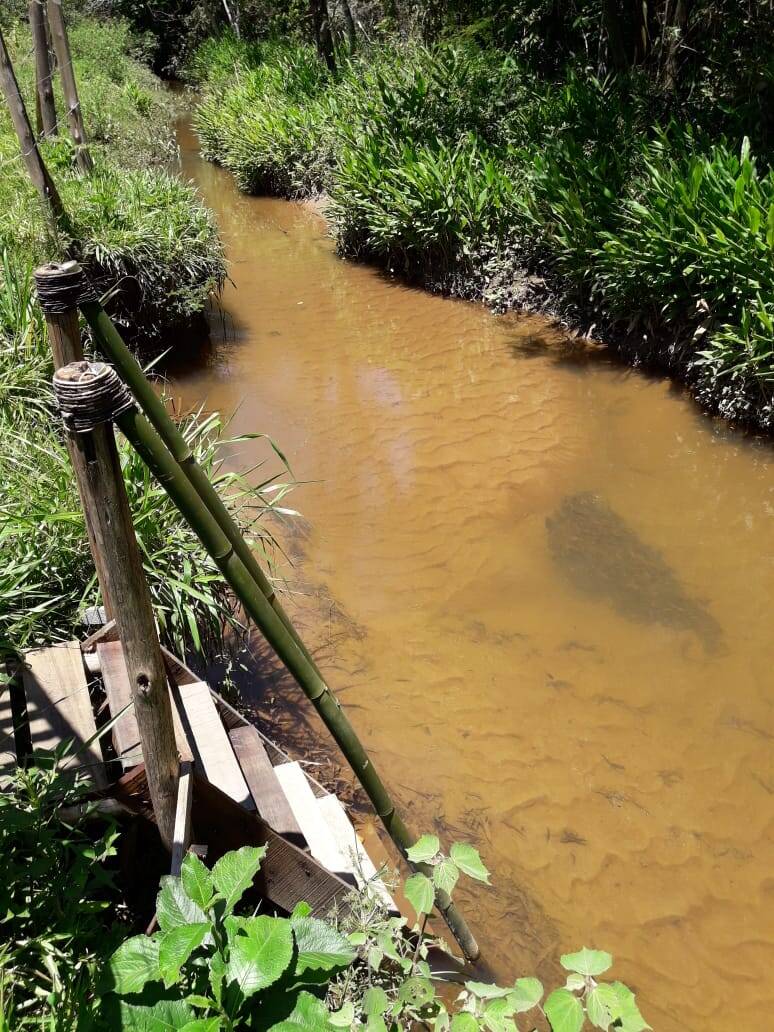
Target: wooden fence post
x: 43, y: 72
x: 69, y: 86
x: 64, y: 336
x: 36, y: 168
x: 116, y: 554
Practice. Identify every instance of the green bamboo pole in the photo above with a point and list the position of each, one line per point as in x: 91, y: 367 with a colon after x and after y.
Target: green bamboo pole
x: 162, y: 463
x: 112, y: 345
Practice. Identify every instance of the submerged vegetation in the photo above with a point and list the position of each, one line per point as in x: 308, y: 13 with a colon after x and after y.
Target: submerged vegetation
x: 493, y: 162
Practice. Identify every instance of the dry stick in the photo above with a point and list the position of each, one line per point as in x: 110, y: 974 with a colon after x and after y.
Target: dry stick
x: 37, y: 170
x: 46, y: 107
x: 69, y: 86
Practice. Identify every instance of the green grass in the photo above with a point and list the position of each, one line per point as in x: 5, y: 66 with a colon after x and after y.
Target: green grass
x: 455, y: 166
x: 137, y: 228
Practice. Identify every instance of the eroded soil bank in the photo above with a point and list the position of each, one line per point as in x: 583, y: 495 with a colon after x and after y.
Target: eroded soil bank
x: 541, y: 584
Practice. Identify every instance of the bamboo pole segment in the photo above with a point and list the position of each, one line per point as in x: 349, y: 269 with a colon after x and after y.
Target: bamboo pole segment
x: 161, y: 462
x: 69, y: 85
x: 103, y: 496
x: 64, y: 336
x: 115, y: 350
x: 44, y: 84
x: 36, y: 168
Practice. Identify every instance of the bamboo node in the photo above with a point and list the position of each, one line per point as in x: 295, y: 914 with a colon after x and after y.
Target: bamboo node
x: 90, y: 393
x: 62, y: 286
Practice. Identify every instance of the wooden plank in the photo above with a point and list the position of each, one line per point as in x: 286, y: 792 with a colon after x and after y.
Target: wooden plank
x: 108, y: 632
x: 263, y: 783
x: 212, y: 750
x: 59, y: 707
x: 287, y: 874
x: 303, y: 803
x: 359, y: 863
x: 178, y: 672
x: 126, y: 734
x: 182, y: 834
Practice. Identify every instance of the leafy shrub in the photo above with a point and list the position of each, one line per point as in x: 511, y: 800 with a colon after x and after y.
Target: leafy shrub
x: 225, y: 971
x: 695, y: 243
x: 209, y: 968
x: 55, y: 900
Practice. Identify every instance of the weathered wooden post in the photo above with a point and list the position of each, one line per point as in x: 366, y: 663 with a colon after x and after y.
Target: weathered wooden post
x: 69, y: 85
x: 44, y: 84
x: 90, y: 396
x: 36, y: 168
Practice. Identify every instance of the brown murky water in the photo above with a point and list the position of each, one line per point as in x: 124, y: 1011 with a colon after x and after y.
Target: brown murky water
x: 542, y: 587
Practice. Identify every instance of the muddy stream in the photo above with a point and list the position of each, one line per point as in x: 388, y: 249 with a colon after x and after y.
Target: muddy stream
x: 541, y: 584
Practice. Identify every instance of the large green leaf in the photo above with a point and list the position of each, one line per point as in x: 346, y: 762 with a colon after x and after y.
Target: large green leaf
x: 464, y: 1022
x: 420, y: 893
x: 375, y: 1002
x: 197, y: 880
x: 308, y: 1015
x: 260, y: 950
x: 527, y: 992
x: 467, y: 858
x: 176, y: 946
x: 134, y: 964
x: 423, y: 850
x: 320, y: 946
x: 487, y: 991
x: 203, y: 1025
x: 603, y: 1006
x: 587, y: 962
x: 630, y: 1017
x: 498, y: 1015
x: 446, y: 875
x: 173, y: 906
x: 564, y: 1011
x: 154, y: 1011
x: 233, y: 874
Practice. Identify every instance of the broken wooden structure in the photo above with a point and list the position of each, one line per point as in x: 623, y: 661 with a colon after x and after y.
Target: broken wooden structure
x: 236, y: 788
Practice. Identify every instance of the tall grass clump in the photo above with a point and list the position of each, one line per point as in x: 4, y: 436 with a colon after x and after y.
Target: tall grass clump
x: 456, y: 166
x: 152, y: 247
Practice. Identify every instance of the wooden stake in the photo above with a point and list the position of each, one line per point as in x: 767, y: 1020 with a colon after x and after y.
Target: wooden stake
x: 117, y: 558
x: 69, y: 86
x: 64, y: 336
x: 36, y: 168
x: 43, y: 72
x: 103, y: 496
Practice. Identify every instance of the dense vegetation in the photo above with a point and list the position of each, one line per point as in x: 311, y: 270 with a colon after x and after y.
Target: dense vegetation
x: 531, y: 158
x: 148, y: 241
x: 72, y: 959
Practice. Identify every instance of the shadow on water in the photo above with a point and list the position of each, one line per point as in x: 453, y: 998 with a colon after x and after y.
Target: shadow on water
x: 604, y: 558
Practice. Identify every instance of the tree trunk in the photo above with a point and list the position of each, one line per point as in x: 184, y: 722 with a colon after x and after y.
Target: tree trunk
x: 614, y: 28
x: 69, y: 86
x: 675, y: 27
x: 45, y: 105
x: 36, y: 168
x: 323, y: 37
x: 349, y: 25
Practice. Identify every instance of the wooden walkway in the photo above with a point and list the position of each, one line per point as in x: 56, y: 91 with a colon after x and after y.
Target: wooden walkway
x: 244, y: 790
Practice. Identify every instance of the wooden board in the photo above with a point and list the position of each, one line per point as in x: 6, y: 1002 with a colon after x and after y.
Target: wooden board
x: 59, y: 707
x: 213, y: 755
x: 263, y: 783
x: 303, y: 803
x: 287, y: 874
x: 126, y: 734
x: 181, y: 838
x: 351, y: 848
